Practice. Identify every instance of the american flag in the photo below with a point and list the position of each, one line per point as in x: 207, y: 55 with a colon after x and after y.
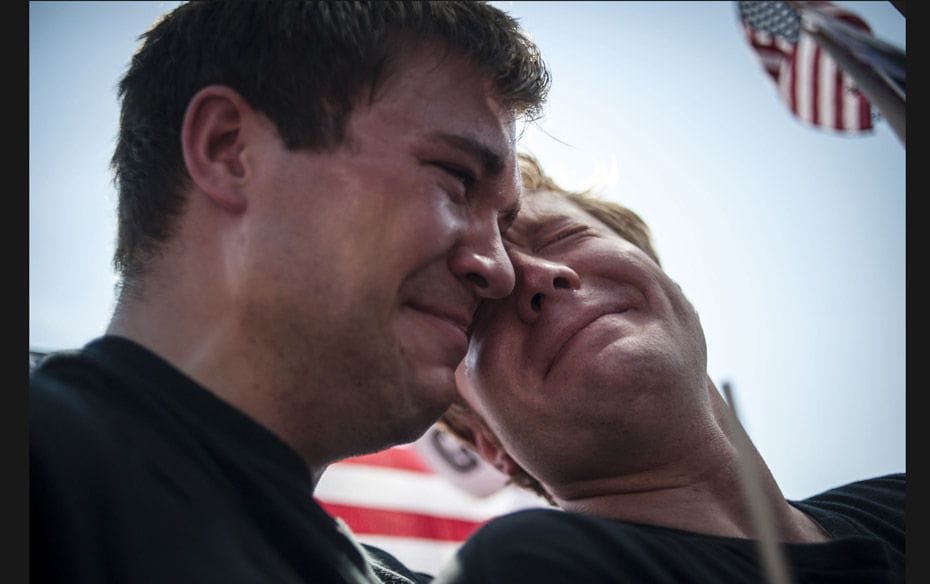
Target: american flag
x: 811, y: 83
x: 419, y: 501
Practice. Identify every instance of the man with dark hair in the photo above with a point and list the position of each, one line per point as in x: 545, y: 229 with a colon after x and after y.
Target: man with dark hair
x: 588, y: 384
x: 311, y: 203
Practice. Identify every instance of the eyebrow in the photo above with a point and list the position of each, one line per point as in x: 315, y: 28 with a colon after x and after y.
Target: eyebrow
x: 492, y: 163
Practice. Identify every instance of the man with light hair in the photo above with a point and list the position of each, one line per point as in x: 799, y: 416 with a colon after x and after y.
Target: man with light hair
x: 589, y: 385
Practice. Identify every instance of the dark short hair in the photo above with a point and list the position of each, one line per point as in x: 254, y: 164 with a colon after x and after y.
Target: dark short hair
x: 304, y: 64
x: 459, y: 418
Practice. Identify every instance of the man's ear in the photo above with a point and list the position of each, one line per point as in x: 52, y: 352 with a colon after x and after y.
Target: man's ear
x: 485, y: 442
x: 213, y: 136
x: 490, y: 449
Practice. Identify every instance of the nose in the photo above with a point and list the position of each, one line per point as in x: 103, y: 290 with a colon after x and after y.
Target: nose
x: 539, y: 282
x: 483, y: 264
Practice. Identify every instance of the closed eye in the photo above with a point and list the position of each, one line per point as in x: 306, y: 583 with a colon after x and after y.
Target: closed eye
x: 463, y: 176
x: 562, y: 235
x: 507, y: 219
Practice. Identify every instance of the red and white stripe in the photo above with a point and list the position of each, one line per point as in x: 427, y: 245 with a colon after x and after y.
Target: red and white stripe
x: 809, y: 81
x: 403, y: 502
x: 819, y: 93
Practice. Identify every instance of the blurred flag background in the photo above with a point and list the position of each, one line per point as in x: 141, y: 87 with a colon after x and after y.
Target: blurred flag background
x: 419, y: 501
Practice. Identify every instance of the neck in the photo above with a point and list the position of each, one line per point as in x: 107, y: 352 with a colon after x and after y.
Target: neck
x: 702, y: 492
x: 203, y: 341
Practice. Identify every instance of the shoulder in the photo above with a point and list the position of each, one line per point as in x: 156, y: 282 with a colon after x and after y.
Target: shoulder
x: 887, y: 491
x: 70, y: 381
x: 542, y: 527
x: 550, y: 545
x: 87, y: 395
x: 63, y: 392
x: 390, y: 570
x: 558, y: 528
x: 874, y: 506
x: 530, y: 533
x: 86, y: 424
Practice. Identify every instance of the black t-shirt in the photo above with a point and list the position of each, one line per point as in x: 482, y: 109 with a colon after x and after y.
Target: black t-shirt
x: 138, y: 474
x: 865, y: 520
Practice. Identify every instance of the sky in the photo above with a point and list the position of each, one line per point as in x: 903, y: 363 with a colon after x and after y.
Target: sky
x: 789, y: 241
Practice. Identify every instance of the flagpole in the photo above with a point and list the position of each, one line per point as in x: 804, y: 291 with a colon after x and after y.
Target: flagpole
x: 836, y: 37
x: 774, y: 561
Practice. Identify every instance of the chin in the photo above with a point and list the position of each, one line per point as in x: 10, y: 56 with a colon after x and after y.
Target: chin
x: 410, y: 427
x: 432, y: 392
x: 417, y: 400
x: 412, y: 431
x: 435, y: 384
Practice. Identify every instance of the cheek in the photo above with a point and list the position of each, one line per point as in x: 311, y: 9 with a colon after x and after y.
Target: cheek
x: 496, y: 352
x: 429, y: 218
x: 503, y: 386
x: 689, y: 322
x: 412, y: 238
x: 488, y: 352
x: 442, y: 216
